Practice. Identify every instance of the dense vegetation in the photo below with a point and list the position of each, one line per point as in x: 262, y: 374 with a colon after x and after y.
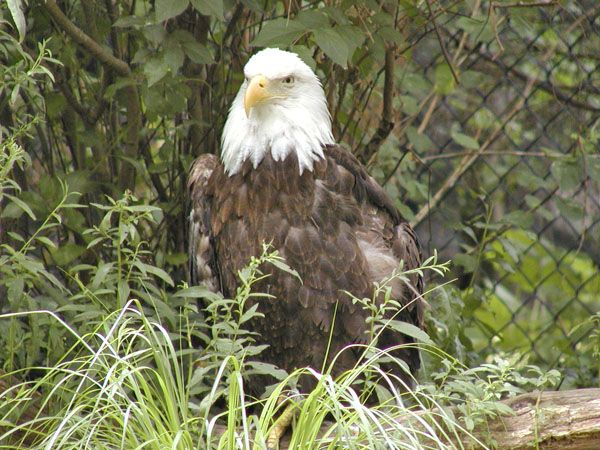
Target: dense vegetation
x: 103, y: 106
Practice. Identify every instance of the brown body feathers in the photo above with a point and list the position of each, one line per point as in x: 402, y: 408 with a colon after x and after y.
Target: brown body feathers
x: 334, y: 225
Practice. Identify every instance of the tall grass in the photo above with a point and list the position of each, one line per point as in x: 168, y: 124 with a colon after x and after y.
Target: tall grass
x: 127, y: 386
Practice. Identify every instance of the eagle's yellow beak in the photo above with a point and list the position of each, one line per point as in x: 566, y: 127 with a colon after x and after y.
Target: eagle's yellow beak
x: 257, y: 91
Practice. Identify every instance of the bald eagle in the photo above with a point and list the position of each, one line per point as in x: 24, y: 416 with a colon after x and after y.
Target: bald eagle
x: 283, y: 180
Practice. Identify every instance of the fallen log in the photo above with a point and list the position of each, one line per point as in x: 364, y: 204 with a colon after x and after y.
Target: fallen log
x: 565, y: 420
x: 562, y: 420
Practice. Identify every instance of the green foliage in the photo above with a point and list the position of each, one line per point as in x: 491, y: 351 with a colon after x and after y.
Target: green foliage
x: 476, y: 392
x: 228, y: 338
x: 384, y: 311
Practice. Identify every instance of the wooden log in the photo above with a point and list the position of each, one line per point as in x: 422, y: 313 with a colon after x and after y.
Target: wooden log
x: 561, y: 420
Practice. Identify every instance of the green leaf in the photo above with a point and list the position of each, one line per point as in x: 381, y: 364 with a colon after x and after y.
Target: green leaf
x: 67, y: 253
x: 410, y: 105
x: 305, y: 54
x: 416, y: 84
x: 156, y: 271
x: 198, y: 53
x: 593, y: 166
x: 333, y: 45
x: 410, y: 330
x: 15, y: 288
x: 130, y: 22
x: 165, y: 9
x: 336, y: 14
x: 391, y: 34
x: 281, y: 265
x: 46, y: 241
x: 11, y: 211
x: 421, y: 141
x: 313, y: 19
x: 444, y: 81
x: 464, y: 140
x: 470, y: 25
x: 249, y: 314
x: 261, y: 368
x: 123, y: 290
x: 479, y: 29
x: 198, y: 292
x: 568, y: 173
x: 16, y: 11
x: 469, y: 262
x: 353, y: 36
x: 16, y: 236
x: 155, y: 33
x: 569, y: 209
x: 101, y: 273
x: 173, y: 57
x: 279, y: 32
x: 517, y: 218
x: 212, y: 8
x: 21, y: 204
x: 155, y: 69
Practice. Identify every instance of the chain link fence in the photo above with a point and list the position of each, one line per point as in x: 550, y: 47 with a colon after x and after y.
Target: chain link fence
x: 510, y: 166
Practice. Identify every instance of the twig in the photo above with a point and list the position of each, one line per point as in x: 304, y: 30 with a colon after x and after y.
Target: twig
x: 524, y: 4
x: 492, y: 17
x: 442, y: 46
x: 425, y: 33
x: 586, y: 186
x: 505, y: 153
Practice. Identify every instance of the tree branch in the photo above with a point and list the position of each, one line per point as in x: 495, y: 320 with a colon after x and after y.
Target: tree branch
x: 386, y: 124
x: 106, y: 58
x: 524, y: 4
x: 132, y: 100
x: 134, y: 124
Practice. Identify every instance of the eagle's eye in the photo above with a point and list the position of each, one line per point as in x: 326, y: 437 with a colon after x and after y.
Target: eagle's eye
x: 288, y: 80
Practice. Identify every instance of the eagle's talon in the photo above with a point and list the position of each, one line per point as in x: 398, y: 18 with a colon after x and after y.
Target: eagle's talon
x: 279, y: 427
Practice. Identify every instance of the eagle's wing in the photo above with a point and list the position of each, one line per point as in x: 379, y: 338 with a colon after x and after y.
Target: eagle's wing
x: 203, y: 267
x: 387, y: 234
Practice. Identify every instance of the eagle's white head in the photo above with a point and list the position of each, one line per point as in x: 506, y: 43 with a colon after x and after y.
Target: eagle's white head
x: 281, y: 108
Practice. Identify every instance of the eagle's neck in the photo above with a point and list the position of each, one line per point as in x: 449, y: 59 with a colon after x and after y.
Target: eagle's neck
x: 302, y: 126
